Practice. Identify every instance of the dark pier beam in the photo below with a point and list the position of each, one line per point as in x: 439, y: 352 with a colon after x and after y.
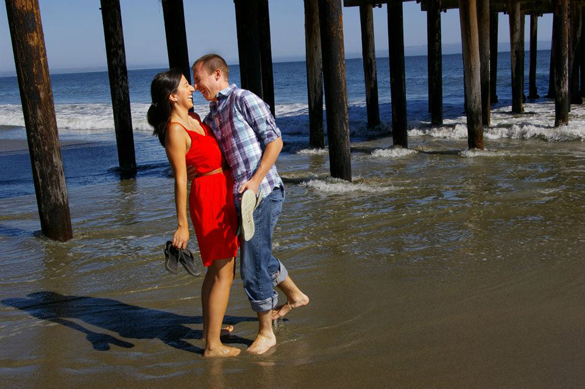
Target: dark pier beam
x: 118, y: 73
x: 493, y: 56
x: 483, y: 22
x: 369, y: 58
x: 435, y: 59
x: 561, y: 45
x: 517, y: 55
x: 582, y: 56
x: 266, y: 54
x: 574, y: 55
x: 331, y: 25
x: 32, y: 69
x: 247, y: 26
x: 532, y: 91
x: 472, y: 77
x: 174, y: 17
x: 314, y: 74
x: 397, y: 74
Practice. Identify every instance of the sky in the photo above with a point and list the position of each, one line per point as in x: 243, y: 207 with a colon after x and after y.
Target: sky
x: 74, y: 35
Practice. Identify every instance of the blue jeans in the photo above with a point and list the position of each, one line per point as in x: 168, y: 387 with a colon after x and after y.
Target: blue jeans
x: 259, y: 269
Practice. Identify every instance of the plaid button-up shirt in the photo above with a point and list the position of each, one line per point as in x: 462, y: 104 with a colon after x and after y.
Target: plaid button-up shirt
x: 243, y: 125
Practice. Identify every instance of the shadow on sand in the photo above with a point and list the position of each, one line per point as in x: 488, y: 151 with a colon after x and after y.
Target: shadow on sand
x: 128, y: 321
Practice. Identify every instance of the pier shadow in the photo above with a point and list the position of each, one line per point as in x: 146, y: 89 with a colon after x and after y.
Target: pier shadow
x: 128, y: 321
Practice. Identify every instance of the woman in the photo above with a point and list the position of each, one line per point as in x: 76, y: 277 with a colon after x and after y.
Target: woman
x: 188, y: 141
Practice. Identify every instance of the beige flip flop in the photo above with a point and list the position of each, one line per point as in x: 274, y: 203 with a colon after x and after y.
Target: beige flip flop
x: 249, y: 203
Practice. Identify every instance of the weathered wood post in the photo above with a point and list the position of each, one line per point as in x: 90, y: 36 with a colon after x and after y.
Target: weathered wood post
x: 561, y: 37
x: 435, y: 60
x: 249, y: 45
x: 266, y: 54
x: 32, y: 69
x: 574, y: 56
x: 369, y: 59
x: 532, y: 91
x: 493, y: 56
x: 483, y: 21
x: 582, y: 55
x: 331, y: 24
x: 118, y: 73
x: 397, y: 73
x: 178, y: 53
x: 517, y: 55
x: 472, y: 79
x: 314, y: 74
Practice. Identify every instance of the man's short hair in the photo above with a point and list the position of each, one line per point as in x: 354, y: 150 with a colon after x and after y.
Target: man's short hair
x: 211, y: 62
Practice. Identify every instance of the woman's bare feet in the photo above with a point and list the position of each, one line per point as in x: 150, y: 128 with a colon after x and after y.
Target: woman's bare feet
x: 262, y: 344
x: 221, y: 351
x: 225, y: 331
x: 300, y: 301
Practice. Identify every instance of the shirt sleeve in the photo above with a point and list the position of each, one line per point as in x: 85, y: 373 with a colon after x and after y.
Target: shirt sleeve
x: 257, y: 113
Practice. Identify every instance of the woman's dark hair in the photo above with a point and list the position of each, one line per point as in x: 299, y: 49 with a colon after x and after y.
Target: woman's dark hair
x: 163, y: 85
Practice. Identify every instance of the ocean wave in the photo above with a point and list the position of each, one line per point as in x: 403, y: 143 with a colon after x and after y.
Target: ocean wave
x: 393, y: 152
x: 339, y: 186
x: 293, y: 120
x: 324, y: 151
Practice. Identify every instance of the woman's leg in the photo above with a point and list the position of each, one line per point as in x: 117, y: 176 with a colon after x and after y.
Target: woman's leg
x: 205, y: 290
x: 222, y: 273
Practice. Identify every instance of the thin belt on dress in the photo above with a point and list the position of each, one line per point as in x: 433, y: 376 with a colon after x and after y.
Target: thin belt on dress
x: 216, y: 171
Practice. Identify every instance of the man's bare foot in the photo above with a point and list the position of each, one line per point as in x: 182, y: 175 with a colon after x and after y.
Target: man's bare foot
x: 262, y: 344
x: 282, y: 310
x: 221, y: 351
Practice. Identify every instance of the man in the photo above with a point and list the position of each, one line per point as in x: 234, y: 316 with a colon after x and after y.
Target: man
x: 247, y: 134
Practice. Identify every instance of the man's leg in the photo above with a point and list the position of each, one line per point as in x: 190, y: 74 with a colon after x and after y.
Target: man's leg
x: 259, y: 273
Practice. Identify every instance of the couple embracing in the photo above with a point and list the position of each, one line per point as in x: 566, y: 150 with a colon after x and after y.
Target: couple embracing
x: 230, y: 157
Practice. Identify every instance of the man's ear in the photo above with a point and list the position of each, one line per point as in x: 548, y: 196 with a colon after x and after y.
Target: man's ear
x: 217, y: 74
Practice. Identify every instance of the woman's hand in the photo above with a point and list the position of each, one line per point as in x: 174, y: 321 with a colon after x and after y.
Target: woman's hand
x: 181, y: 237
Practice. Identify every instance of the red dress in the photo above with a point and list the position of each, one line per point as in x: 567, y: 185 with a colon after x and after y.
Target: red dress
x: 211, y: 202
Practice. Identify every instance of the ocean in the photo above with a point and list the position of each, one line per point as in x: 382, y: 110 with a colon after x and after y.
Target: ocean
x: 436, y: 267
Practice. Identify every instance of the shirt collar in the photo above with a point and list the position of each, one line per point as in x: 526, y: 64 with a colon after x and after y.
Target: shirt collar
x: 223, y: 94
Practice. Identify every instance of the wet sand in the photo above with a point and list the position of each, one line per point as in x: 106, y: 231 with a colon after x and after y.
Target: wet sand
x: 438, y: 269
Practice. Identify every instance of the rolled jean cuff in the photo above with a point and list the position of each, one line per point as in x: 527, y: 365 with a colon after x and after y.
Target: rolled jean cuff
x: 279, y: 276
x: 265, y: 305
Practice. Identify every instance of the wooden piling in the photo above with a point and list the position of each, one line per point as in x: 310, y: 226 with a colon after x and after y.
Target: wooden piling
x: 561, y: 37
x: 331, y: 25
x: 314, y: 74
x: 369, y: 59
x: 532, y: 90
x: 178, y: 53
x: 517, y: 55
x: 483, y: 21
x: 574, y: 55
x: 397, y: 73
x: 582, y: 55
x: 250, y: 62
x: 493, y: 56
x: 472, y: 79
x: 435, y: 61
x: 118, y: 73
x: 266, y: 54
x: 32, y: 69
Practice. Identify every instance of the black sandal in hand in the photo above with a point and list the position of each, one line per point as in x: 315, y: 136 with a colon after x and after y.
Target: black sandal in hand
x: 174, y: 256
